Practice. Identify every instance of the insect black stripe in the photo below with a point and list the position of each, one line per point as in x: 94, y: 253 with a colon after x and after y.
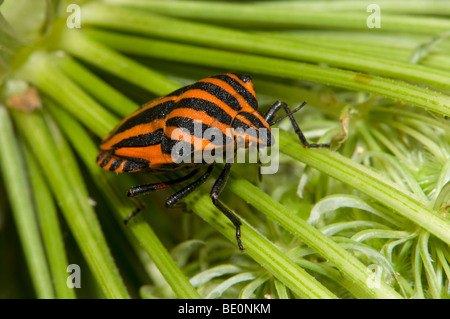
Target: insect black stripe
x: 157, y: 112
x: 212, y: 134
x: 252, y: 118
x: 209, y: 108
x: 219, y: 93
x: 248, y: 97
x: 132, y: 166
x: 133, y: 159
x: 115, y: 165
x: 105, y: 161
x: 99, y: 156
x: 237, y: 123
x: 141, y: 140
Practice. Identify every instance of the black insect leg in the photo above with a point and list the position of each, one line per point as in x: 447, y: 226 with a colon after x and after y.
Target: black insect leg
x: 139, y: 207
x: 145, y: 189
x: 175, y: 198
x: 259, y: 164
x: 272, y: 112
x: 276, y: 107
x: 215, y: 192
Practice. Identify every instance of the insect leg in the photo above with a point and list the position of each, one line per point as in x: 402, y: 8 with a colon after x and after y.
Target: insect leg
x: 175, y: 198
x: 139, y: 206
x: 273, y: 111
x: 215, y: 192
x: 278, y: 105
x: 145, y: 189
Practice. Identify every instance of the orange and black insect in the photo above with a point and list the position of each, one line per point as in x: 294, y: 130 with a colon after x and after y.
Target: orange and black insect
x: 144, y: 141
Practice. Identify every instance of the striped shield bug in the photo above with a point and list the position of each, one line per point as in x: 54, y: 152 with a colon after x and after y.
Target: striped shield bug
x: 145, y: 140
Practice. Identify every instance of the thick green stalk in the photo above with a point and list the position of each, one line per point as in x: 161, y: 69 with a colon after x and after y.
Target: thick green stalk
x: 95, y: 251
x: 290, y: 15
x: 74, y: 42
x: 51, y: 231
x: 368, y: 45
x: 16, y: 183
x: 95, y: 86
x: 40, y: 71
x: 75, y: 178
x: 121, y: 18
x: 398, y: 90
x: 262, y: 251
x: 427, y: 261
x: 436, y: 7
x: 105, y: 181
x: 353, y: 269
x: 370, y: 183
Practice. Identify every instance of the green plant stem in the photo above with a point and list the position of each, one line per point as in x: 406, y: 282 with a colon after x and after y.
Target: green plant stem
x: 74, y: 42
x: 444, y: 262
x: 262, y: 251
x: 417, y: 265
x: 368, y: 45
x: 353, y: 270
x: 51, y: 231
x: 75, y: 178
x: 82, y: 108
x: 422, y: 118
x: 121, y: 18
x: 393, y: 89
x: 95, y: 86
x: 437, y: 7
x: 91, y: 242
x: 16, y: 183
x: 370, y: 183
x: 428, y: 264
x: 288, y: 15
x: 141, y: 230
x: 40, y: 71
